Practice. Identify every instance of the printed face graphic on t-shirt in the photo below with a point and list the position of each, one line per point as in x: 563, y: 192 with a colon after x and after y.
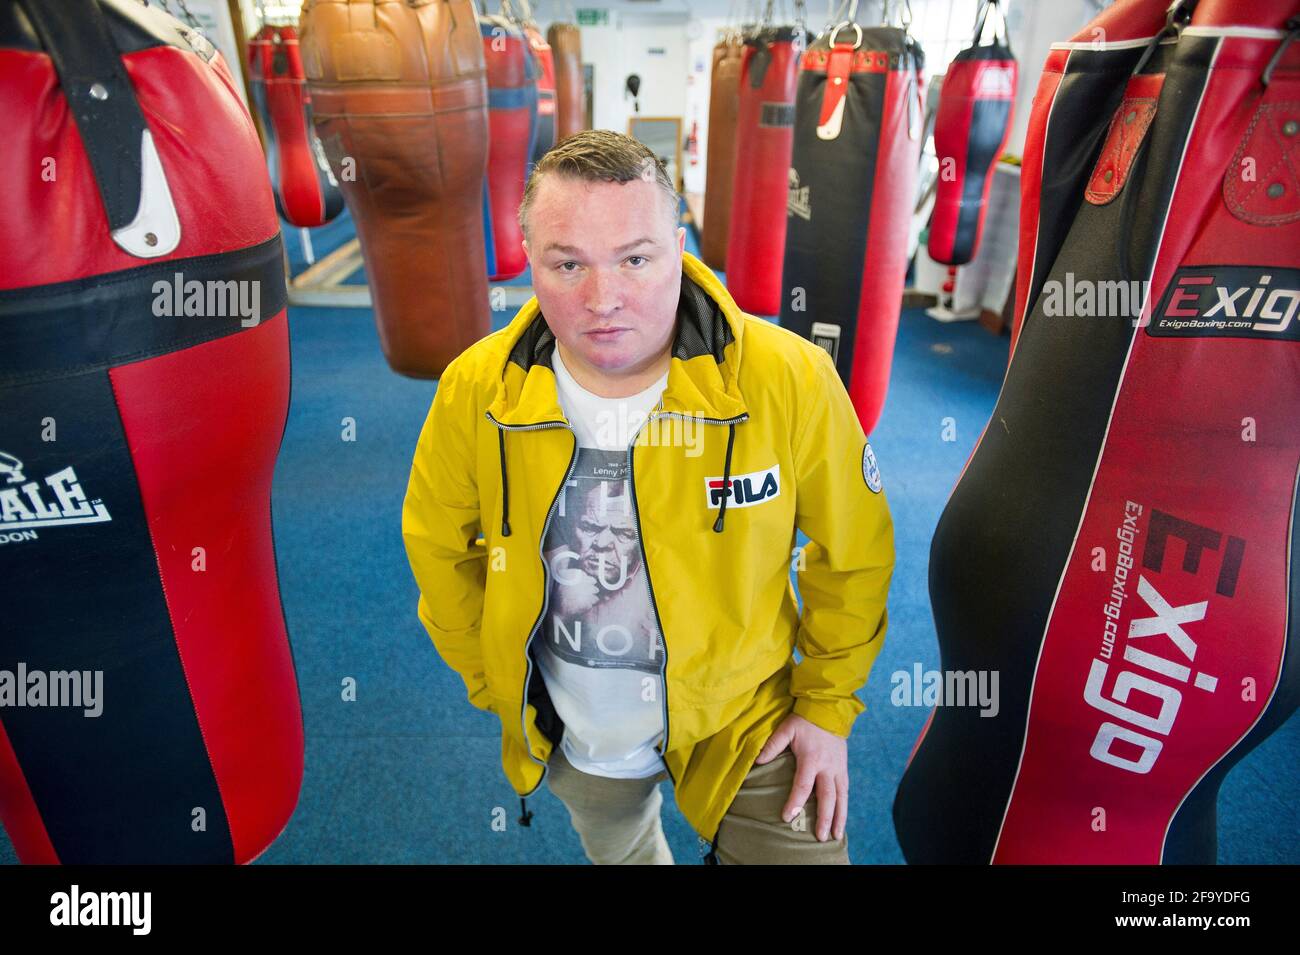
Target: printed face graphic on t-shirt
x: 605, y: 536
x: 599, y: 612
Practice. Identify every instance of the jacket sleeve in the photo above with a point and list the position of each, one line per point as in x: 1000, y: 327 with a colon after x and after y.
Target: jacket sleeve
x: 848, y: 561
x: 441, y: 527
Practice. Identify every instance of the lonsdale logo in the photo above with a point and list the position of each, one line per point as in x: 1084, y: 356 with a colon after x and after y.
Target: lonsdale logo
x: 798, y: 204
x: 995, y: 82
x: 58, y: 500
x: 746, y: 489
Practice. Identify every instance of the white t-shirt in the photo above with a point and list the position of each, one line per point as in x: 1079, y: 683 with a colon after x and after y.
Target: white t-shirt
x: 599, y: 649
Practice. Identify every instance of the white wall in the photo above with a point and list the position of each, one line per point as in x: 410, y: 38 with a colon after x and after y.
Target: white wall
x: 626, y: 46
x: 1034, y: 27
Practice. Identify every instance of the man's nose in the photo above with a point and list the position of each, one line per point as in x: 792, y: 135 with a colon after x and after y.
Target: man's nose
x: 603, y: 293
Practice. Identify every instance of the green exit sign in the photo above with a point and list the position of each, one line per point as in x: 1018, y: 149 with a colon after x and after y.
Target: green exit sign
x: 593, y: 18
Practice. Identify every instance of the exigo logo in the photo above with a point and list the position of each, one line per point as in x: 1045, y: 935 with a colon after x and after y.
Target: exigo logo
x: 746, y: 489
x: 1161, y: 648
x: 1230, y: 302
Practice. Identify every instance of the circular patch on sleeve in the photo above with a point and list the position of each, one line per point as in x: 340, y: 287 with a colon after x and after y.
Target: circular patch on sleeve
x: 870, y: 470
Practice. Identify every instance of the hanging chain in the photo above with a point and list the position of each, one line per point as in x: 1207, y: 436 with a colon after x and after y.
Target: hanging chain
x: 189, y: 17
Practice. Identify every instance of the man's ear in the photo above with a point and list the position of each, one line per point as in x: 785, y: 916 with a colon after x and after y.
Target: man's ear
x: 681, y: 239
x: 526, y: 255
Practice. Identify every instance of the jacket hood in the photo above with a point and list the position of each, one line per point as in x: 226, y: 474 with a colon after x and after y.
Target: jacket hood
x: 702, y: 377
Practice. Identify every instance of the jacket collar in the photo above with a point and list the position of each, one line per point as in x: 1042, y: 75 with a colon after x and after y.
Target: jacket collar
x: 702, y: 378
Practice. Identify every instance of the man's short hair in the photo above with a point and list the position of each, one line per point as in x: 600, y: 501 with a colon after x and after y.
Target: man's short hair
x: 599, y: 155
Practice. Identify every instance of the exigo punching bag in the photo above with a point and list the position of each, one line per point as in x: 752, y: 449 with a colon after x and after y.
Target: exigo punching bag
x: 149, y: 710
x: 306, y: 192
x: 857, y: 143
x: 1121, y: 548
x: 724, y: 101
x: 764, y: 134
x: 970, y: 132
x: 512, y: 75
x: 400, y: 104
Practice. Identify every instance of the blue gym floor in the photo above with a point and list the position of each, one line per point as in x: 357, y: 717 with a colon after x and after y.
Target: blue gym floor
x: 411, y: 773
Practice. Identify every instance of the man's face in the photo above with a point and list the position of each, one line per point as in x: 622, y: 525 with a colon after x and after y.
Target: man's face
x: 607, y: 270
x: 606, y: 536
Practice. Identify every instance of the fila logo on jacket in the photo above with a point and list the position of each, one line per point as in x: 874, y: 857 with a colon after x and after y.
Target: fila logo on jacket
x: 746, y: 489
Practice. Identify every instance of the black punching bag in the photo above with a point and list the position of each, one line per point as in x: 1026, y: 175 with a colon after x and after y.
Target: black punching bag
x: 857, y: 143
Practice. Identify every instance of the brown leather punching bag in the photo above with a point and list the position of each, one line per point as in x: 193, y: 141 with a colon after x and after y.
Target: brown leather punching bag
x: 724, y: 104
x: 566, y: 49
x: 399, y: 96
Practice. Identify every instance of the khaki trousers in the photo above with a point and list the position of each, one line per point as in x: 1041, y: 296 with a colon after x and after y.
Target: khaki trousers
x: 618, y: 820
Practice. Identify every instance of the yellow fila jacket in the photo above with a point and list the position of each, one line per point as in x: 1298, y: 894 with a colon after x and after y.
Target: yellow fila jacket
x: 494, y: 453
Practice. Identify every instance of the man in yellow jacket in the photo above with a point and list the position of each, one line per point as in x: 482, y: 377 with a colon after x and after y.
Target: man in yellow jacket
x: 601, y: 518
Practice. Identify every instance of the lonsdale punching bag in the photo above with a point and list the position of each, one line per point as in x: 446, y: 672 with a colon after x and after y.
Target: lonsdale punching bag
x: 512, y: 76
x: 857, y: 144
x: 1121, y: 547
x: 399, y: 100
x: 970, y: 132
x: 565, y: 40
x: 306, y: 192
x: 149, y: 710
x: 769, y: 73
x: 724, y: 103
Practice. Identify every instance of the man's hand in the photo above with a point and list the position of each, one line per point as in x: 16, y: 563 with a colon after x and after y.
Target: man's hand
x: 821, y: 761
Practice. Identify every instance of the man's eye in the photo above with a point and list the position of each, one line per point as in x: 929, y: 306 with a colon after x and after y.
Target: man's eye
x: 563, y: 264
x: 641, y: 257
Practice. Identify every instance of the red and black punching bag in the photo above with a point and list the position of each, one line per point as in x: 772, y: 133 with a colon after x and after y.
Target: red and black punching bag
x: 769, y: 74
x: 512, y: 76
x: 970, y: 132
x: 149, y: 709
x: 720, y: 164
x: 306, y: 193
x: 1121, y: 547
x: 399, y: 101
x: 857, y: 143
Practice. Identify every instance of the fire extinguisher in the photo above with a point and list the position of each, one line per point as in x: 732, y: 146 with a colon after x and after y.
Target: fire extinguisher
x: 693, y: 143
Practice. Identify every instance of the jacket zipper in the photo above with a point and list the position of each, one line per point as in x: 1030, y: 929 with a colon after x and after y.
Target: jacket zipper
x: 546, y: 585
x: 654, y: 605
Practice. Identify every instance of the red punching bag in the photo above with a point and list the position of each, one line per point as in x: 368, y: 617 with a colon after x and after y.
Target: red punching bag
x: 769, y: 74
x: 144, y: 377
x: 306, y: 192
x: 970, y: 132
x: 1140, y: 475
x: 545, y: 91
x: 512, y: 77
x: 857, y: 145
